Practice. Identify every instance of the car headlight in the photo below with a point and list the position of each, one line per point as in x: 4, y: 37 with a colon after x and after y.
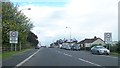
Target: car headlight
x: 108, y: 51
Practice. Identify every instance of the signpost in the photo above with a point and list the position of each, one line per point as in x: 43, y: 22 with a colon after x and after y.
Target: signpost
x: 108, y: 38
x: 13, y: 39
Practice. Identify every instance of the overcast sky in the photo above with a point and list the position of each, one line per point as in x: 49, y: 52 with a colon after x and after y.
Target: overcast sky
x: 86, y: 18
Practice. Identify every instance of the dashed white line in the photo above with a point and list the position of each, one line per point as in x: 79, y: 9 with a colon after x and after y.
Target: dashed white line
x: 67, y: 55
x: 70, y: 55
x: 89, y: 62
x: 27, y: 59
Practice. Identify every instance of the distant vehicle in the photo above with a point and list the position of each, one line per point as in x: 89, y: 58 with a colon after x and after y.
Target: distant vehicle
x: 60, y: 45
x: 63, y: 47
x: 37, y: 47
x: 68, y: 47
x: 100, y: 50
x: 75, y: 47
x: 43, y: 46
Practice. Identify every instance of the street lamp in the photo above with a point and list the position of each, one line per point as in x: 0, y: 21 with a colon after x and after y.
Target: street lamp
x: 70, y: 32
x: 25, y: 9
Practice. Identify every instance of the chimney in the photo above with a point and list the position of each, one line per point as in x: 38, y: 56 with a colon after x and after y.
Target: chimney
x: 95, y: 37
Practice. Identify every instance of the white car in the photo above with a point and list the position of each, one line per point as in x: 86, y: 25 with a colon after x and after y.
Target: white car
x: 100, y: 50
x: 68, y: 47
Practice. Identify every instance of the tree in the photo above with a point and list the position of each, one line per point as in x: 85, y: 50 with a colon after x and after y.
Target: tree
x: 118, y: 46
x: 32, y: 38
x: 14, y: 20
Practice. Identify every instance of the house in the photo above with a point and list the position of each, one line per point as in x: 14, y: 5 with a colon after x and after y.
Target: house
x: 89, y: 42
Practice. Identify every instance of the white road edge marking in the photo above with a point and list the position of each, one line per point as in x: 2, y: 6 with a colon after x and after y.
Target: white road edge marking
x: 89, y: 62
x: 109, y: 56
x: 27, y: 59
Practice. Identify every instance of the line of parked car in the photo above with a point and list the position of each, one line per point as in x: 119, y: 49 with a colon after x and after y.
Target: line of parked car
x: 94, y: 50
x: 69, y: 47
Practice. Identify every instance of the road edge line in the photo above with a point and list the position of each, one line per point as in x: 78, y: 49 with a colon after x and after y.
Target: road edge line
x: 27, y: 59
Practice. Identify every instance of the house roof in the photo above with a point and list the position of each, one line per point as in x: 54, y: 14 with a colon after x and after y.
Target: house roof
x: 89, y: 40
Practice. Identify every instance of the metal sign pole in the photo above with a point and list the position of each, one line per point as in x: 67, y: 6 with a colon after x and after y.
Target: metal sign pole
x: 11, y: 47
x: 15, y: 47
x: 20, y: 45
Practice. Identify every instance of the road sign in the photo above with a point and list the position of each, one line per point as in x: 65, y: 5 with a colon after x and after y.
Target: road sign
x: 108, y: 38
x: 13, y: 37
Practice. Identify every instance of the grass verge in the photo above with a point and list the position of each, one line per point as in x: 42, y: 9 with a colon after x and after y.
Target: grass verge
x: 115, y: 54
x: 9, y: 54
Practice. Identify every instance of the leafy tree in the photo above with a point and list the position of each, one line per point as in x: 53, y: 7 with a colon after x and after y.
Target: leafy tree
x: 32, y: 38
x: 14, y: 20
x: 118, y: 47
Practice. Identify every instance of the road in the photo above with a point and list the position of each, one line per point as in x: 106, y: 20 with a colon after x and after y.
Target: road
x: 61, y: 57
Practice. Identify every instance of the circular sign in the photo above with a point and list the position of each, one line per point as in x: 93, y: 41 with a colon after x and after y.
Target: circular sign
x: 13, y: 34
x: 108, y: 35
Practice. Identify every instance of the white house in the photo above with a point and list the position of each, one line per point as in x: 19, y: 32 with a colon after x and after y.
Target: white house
x: 89, y: 42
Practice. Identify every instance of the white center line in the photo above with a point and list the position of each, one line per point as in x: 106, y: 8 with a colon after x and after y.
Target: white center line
x: 89, y: 62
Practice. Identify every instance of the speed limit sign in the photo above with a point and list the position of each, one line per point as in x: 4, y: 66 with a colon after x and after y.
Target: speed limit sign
x: 13, y: 36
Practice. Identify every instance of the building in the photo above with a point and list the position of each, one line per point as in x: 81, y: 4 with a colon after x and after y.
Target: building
x: 89, y: 42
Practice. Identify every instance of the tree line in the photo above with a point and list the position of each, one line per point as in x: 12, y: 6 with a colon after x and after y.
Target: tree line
x: 15, y: 20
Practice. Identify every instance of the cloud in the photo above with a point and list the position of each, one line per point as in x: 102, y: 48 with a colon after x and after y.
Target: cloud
x: 87, y: 18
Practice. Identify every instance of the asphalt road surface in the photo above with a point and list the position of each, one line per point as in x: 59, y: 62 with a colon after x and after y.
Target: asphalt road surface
x: 61, y: 57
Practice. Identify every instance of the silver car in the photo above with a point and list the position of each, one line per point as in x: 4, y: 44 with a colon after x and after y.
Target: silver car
x: 100, y: 50
x: 68, y: 47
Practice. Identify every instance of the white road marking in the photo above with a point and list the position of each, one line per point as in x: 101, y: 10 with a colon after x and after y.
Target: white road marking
x: 27, y: 59
x: 67, y: 55
x: 109, y: 56
x: 70, y: 55
x: 89, y: 62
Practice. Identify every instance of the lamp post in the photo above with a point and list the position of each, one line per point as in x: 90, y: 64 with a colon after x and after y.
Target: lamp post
x: 70, y: 32
x: 25, y: 9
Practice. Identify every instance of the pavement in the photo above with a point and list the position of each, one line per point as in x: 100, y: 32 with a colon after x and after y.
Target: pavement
x: 60, y: 57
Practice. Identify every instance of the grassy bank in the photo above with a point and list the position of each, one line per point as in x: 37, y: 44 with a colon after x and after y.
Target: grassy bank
x: 9, y: 54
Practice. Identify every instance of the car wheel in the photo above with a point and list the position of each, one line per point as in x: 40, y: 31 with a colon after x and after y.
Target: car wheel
x: 107, y: 53
x: 92, y: 52
x: 98, y: 52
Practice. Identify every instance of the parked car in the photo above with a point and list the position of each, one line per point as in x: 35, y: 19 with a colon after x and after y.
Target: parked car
x: 62, y: 47
x: 100, y: 50
x: 75, y: 47
x: 68, y: 47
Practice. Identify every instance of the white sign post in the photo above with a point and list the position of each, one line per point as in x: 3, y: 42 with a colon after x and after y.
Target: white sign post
x: 108, y: 38
x: 13, y: 38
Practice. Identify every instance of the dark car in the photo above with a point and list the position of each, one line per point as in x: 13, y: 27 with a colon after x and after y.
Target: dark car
x: 37, y: 47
